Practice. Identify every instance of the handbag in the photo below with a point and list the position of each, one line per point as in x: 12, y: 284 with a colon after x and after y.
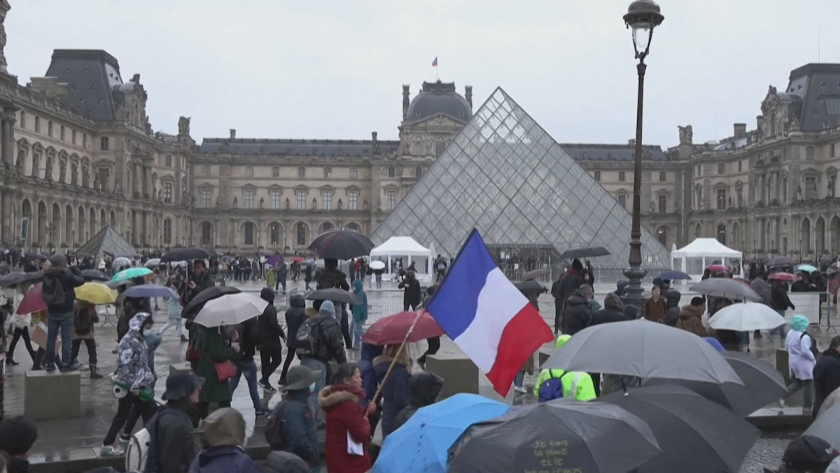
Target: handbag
x: 225, y: 370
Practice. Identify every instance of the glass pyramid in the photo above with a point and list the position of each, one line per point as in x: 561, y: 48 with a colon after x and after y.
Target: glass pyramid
x: 504, y: 175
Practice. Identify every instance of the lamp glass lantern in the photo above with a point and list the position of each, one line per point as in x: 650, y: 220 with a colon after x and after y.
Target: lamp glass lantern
x: 642, y: 17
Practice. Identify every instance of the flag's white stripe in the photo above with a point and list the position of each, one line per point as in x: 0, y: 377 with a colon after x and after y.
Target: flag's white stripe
x: 498, y: 302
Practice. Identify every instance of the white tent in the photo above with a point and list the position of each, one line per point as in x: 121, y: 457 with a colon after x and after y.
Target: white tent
x: 697, y: 255
x: 404, y: 246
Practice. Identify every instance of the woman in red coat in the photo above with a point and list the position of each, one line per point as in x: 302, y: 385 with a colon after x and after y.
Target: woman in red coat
x: 346, y: 422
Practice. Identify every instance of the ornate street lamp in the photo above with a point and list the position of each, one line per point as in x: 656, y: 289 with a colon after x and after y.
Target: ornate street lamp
x: 642, y: 17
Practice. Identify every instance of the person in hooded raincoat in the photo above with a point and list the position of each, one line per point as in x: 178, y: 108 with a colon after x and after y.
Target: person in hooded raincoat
x: 576, y: 384
x: 223, y: 439
x: 672, y: 307
x: 360, y: 313
x: 801, y: 359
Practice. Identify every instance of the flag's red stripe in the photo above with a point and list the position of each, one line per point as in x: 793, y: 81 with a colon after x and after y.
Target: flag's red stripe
x: 523, y: 335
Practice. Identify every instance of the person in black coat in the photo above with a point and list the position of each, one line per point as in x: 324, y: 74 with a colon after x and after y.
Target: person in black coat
x: 572, y: 280
x: 579, y: 312
x: 413, y: 293
x: 295, y: 316
x: 613, y: 311
x: 827, y: 374
x: 172, y: 447
x: 425, y: 388
x: 296, y: 427
x: 332, y: 277
x: 396, y: 392
x: 672, y: 307
x: 780, y: 302
x: 271, y: 348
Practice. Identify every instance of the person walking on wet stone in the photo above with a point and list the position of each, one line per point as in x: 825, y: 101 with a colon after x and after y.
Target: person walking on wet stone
x: 291, y: 426
x: 85, y: 319
x: 171, y: 445
x: 827, y: 374
x: 214, y: 347
x: 270, y: 333
x: 801, y: 348
x: 413, y: 293
x: 571, y: 281
x: 295, y: 316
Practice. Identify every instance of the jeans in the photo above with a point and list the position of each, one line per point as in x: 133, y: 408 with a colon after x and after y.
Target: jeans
x: 314, y: 406
x: 357, y: 329
x: 125, y: 407
x: 64, y: 324
x: 91, y: 349
x: 379, y: 281
x: 177, y: 323
x: 249, y: 368
x: 781, y: 328
x: 519, y: 380
x: 270, y: 360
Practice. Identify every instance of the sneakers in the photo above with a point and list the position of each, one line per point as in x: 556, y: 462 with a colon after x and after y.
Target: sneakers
x: 111, y: 451
x: 72, y: 366
x: 184, y: 338
x: 49, y: 367
x: 520, y: 389
x: 124, y: 438
x: 266, y: 386
x: 260, y: 412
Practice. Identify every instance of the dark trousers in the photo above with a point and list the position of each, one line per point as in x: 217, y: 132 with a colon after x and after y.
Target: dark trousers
x: 407, y: 305
x: 270, y: 360
x: 125, y: 407
x: 558, y: 314
x: 91, y: 349
x: 434, y: 346
x: 290, y: 356
x: 204, y: 407
x: 345, y: 327
x: 18, y: 334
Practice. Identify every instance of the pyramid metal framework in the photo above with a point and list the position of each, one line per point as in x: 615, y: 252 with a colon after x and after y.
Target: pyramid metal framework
x: 108, y: 240
x: 506, y: 176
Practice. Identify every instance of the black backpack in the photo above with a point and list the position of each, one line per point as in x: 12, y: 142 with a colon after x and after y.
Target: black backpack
x: 814, y: 349
x: 82, y: 323
x: 274, y: 428
x: 306, y: 340
x: 52, y: 292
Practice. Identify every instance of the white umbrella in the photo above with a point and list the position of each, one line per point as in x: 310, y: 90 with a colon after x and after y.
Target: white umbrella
x: 377, y: 265
x: 746, y: 317
x: 153, y: 262
x: 230, y: 309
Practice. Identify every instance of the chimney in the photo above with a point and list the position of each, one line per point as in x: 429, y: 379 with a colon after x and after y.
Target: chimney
x: 759, y: 121
x: 233, y: 133
x: 740, y: 130
x: 405, y: 101
x: 373, y: 136
x: 468, y: 95
x: 631, y: 142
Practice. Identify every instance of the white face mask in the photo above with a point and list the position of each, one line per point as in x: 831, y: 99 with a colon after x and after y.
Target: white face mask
x: 312, y: 387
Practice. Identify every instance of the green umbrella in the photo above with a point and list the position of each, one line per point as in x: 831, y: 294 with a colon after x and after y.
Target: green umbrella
x: 131, y: 273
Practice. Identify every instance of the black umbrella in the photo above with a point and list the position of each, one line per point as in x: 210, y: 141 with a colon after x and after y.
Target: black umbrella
x: 530, y: 287
x: 779, y: 261
x: 561, y: 436
x: 32, y: 255
x: 696, y: 435
x: 341, y: 244
x: 186, y: 254
x: 14, y: 279
x: 333, y: 294
x: 590, y: 252
x: 209, y: 294
x: 762, y: 385
x: 95, y: 275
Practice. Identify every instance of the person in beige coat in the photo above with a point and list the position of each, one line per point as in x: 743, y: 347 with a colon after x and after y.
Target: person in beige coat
x: 691, y: 318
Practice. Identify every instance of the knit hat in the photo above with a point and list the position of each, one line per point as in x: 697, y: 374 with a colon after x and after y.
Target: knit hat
x: 58, y: 260
x: 17, y: 435
x: 799, y: 323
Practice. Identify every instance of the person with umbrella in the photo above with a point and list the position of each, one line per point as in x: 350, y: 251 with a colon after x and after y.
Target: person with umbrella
x: 578, y: 311
x: 175, y: 319
x: 290, y: 426
x: 395, y: 392
x: 691, y: 318
x: 199, y: 280
x: 214, y: 348
x: 317, y: 342
x: 307, y: 275
x: 827, y: 374
x: 248, y: 336
x: 280, y: 275
x: 59, y: 294
x: 571, y: 282
x: 332, y: 277
x: 270, y: 332
x: 780, y: 302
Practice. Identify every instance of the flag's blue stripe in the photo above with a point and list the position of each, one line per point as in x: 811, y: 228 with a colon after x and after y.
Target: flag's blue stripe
x: 456, y: 301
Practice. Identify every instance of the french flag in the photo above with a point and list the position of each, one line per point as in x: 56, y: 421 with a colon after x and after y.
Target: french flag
x: 486, y: 316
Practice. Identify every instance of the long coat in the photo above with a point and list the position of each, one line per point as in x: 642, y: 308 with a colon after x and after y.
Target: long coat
x: 213, y: 349
x: 345, y: 415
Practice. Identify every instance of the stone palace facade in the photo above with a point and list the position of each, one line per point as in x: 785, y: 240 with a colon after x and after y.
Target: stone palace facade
x: 79, y: 152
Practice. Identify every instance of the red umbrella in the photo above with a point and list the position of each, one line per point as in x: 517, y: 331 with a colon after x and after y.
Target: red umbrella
x: 784, y: 277
x: 717, y: 267
x: 392, y: 329
x: 298, y: 259
x: 33, y: 301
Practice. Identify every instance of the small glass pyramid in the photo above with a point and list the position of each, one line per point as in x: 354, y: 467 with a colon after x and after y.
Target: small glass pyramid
x: 504, y: 175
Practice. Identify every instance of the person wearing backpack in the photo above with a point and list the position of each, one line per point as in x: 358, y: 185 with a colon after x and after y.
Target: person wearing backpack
x: 802, y: 349
x: 171, y: 444
x: 59, y: 295
x: 84, y: 321
x: 295, y: 316
x: 270, y: 333
x: 291, y: 427
x: 317, y: 342
x: 556, y: 383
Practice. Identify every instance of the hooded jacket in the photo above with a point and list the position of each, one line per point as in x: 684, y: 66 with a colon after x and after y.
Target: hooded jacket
x: 779, y: 299
x: 360, y: 311
x: 345, y: 415
x: 578, y: 314
x: 576, y: 384
x: 224, y: 459
x: 330, y: 341
x: 571, y: 282
x: 295, y: 316
x: 395, y: 393
x: 613, y: 311
x: 425, y: 388
x: 133, y: 367
x: 672, y: 307
x: 691, y: 320
x: 69, y: 278
x: 826, y: 378
x: 270, y: 330
x: 298, y: 427
x: 413, y: 293
x: 284, y: 462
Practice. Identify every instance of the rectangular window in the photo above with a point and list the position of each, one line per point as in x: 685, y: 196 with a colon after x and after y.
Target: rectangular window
x: 301, y: 199
x: 177, y: 162
x: 62, y: 132
x: 206, y: 170
x: 206, y: 198
x: 74, y: 136
x: 167, y: 231
x: 721, y: 168
x: 439, y: 148
x: 275, y: 200
x: 275, y: 171
x: 662, y: 177
x: 353, y: 198
x: 37, y: 124
x: 301, y: 172
x: 621, y: 176
x: 22, y: 120
x: 167, y: 192
x: 84, y: 140
x: 103, y: 143
x: 832, y: 105
x: 353, y: 173
x: 327, y: 196
x: 598, y: 176
x: 391, y: 199
x: 622, y: 200
x: 49, y: 128
x: 721, y: 199
x: 663, y: 204
x: 810, y: 153
x: 834, y: 149
x: 740, y: 166
x: 249, y: 171
x: 168, y: 161
x: 249, y: 198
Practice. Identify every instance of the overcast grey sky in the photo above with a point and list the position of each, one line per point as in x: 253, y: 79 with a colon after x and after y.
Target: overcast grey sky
x: 334, y: 69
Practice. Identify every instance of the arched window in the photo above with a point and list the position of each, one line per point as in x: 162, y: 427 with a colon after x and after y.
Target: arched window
x: 418, y: 172
x: 354, y: 227
x: 392, y: 172
x: 721, y: 234
x: 167, y: 231
x: 300, y: 234
x: 206, y: 233
x: 249, y: 233
x: 274, y: 233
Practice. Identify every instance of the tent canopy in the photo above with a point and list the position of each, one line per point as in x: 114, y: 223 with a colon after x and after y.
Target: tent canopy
x: 708, y: 247
x: 108, y: 240
x: 401, y: 246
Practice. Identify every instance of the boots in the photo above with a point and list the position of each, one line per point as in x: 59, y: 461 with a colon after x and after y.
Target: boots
x: 94, y: 374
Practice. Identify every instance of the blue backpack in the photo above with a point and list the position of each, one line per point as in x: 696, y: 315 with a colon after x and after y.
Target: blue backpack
x: 551, y: 389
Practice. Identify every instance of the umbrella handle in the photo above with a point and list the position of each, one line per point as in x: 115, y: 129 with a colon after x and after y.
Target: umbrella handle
x: 396, y: 357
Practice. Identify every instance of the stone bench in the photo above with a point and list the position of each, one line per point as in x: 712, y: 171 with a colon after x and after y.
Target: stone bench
x: 459, y: 373
x: 175, y: 368
x: 54, y: 395
x: 782, y: 363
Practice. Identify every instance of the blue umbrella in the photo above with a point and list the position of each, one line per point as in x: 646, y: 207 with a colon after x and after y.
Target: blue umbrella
x: 674, y: 275
x: 149, y: 290
x: 430, y: 433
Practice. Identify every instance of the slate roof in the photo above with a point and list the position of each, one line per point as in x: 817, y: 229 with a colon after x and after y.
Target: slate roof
x: 436, y: 98
x: 818, y: 88
x: 604, y: 152
x: 91, y: 75
x: 346, y: 148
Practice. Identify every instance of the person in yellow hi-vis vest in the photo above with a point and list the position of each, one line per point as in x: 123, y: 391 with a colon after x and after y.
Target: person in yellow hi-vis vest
x: 576, y: 384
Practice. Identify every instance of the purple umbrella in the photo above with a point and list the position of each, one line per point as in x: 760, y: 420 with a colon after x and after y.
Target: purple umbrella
x: 274, y: 260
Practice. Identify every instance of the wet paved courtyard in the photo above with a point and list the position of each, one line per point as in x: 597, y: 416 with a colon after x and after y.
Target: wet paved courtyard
x: 62, y: 440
